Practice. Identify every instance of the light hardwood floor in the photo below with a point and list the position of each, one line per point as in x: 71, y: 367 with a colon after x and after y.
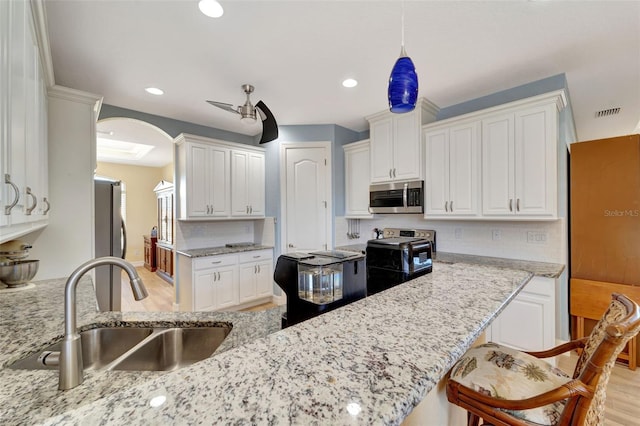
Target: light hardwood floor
x: 622, y: 406
x: 161, y: 293
x: 623, y: 390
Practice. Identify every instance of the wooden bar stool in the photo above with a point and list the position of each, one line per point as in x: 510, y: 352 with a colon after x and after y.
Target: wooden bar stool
x: 504, y: 386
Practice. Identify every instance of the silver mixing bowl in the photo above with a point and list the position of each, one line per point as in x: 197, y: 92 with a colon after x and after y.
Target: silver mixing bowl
x: 19, y: 272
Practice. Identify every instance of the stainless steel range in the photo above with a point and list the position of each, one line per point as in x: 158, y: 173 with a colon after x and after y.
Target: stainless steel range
x: 401, y: 255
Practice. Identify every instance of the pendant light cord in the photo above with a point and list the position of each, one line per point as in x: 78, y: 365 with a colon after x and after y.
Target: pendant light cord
x: 402, y: 23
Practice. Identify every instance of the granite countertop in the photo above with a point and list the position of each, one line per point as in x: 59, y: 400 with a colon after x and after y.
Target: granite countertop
x: 214, y: 251
x: 540, y: 269
x: 383, y: 354
x: 32, y: 319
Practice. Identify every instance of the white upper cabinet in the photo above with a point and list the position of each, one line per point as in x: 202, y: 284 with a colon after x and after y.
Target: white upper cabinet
x: 247, y: 183
x: 207, y: 181
x: 23, y: 124
x: 452, y: 183
x: 497, y: 163
x: 395, y: 143
x: 218, y: 179
x: 519, y: 163
x: 356, y: 179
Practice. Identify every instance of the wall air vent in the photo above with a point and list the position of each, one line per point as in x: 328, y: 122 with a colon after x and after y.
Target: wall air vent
x: 607, y: 112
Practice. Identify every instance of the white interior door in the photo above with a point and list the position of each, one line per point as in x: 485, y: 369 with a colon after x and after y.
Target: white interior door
x: 307, y: 206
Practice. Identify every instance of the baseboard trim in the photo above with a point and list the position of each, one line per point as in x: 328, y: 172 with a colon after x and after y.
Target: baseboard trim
x: 137, y: 263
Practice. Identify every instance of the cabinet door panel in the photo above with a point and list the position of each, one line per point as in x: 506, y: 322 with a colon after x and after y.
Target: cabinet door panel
x: 239, y: 183
x: 535, y: 161
x: 464, y: 177
x: 247, y: 282
x: 406, y: 147
x: 226, y: 287
x: 5, y: 190
x: 204, y: 295
x: 264, y: 279
x: 523, y: 324
x: 256, y: 184
x: 219, y: 181
x: 437, y: 183
x: 197, y: 180
x: 381, y: 150
x: 497, y: 165
x: 16, y: 141
x: 357, y: 179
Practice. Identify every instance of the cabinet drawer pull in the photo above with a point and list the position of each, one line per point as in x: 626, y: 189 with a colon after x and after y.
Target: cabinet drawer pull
x: 394, y: 172
x: 216, y: 262
x: 451, y: 206
x: 446, y: 208
x: 257, y: 257
x: 48, y: 205
x: 8, y: 207
x: 518, y: 204
x: 510, y: 204
x: 35, y: 202
x: 258, y: 268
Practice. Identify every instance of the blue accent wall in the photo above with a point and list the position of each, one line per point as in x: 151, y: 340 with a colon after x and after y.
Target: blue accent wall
x: 549, y: 84
x: 174, y: 127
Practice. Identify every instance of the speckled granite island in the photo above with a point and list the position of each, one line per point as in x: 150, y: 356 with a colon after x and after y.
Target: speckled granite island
x: 370, y: 362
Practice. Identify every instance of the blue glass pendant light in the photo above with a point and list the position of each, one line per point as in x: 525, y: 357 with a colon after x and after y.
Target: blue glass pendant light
x: 403, y: 81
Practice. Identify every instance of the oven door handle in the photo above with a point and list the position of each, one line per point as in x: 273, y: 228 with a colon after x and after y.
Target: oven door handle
x: 405, y: 192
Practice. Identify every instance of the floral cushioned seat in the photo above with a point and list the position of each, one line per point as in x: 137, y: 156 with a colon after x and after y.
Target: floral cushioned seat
x: 506, y: 373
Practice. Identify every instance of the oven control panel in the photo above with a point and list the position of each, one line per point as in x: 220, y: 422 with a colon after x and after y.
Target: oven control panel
x: 427, y: 234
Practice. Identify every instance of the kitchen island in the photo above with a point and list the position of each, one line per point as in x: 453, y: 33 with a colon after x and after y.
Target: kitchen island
x: 370, y: 362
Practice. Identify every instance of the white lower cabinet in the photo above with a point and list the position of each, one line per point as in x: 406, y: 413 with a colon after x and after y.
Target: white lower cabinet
x: 226, y: 281
x: 215, y: 289
x: 528, y: 322
x: 256, y: 275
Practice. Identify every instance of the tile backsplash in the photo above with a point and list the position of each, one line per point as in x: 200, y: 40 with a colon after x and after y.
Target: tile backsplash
x: 544, y: 241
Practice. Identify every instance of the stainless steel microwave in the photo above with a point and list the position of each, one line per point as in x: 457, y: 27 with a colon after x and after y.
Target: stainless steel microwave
x: 397, y: 197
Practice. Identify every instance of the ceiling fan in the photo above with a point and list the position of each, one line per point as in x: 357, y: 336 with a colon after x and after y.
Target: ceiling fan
x: 248, y: 112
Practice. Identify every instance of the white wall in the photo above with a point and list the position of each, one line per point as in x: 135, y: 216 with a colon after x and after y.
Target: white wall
x: 68, y: 240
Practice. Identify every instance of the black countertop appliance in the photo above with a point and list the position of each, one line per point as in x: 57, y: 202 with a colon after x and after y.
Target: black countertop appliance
x: 319, y: 282
x: 392, y: 261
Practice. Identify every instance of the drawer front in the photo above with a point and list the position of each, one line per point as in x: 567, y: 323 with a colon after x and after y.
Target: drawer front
x: 255, y: 256
x: 541, y: 285
x: 214, y: 261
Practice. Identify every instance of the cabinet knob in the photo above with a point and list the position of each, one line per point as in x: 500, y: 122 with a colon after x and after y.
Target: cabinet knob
x: 290, y: 245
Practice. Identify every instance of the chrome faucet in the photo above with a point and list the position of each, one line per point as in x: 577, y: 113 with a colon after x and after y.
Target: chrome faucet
x: 70, y: 361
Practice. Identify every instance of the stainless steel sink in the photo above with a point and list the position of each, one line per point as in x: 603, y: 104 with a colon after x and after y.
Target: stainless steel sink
x: 139, y: 349
x: 173, y: 348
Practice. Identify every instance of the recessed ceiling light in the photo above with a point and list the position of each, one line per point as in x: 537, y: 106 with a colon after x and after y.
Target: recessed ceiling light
x: 350, y: 82
x: 211, y: 8
x: 154, y: 91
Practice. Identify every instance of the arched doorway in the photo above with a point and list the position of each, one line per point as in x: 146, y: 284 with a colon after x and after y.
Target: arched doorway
x: 140, y: 156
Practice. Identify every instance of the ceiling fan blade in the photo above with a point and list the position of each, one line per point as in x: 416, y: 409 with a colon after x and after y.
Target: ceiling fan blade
x: 226, y: 107
x: 269, y: 124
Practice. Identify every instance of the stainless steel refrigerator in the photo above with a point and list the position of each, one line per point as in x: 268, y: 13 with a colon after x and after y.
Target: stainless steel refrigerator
x: 110, y: 240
